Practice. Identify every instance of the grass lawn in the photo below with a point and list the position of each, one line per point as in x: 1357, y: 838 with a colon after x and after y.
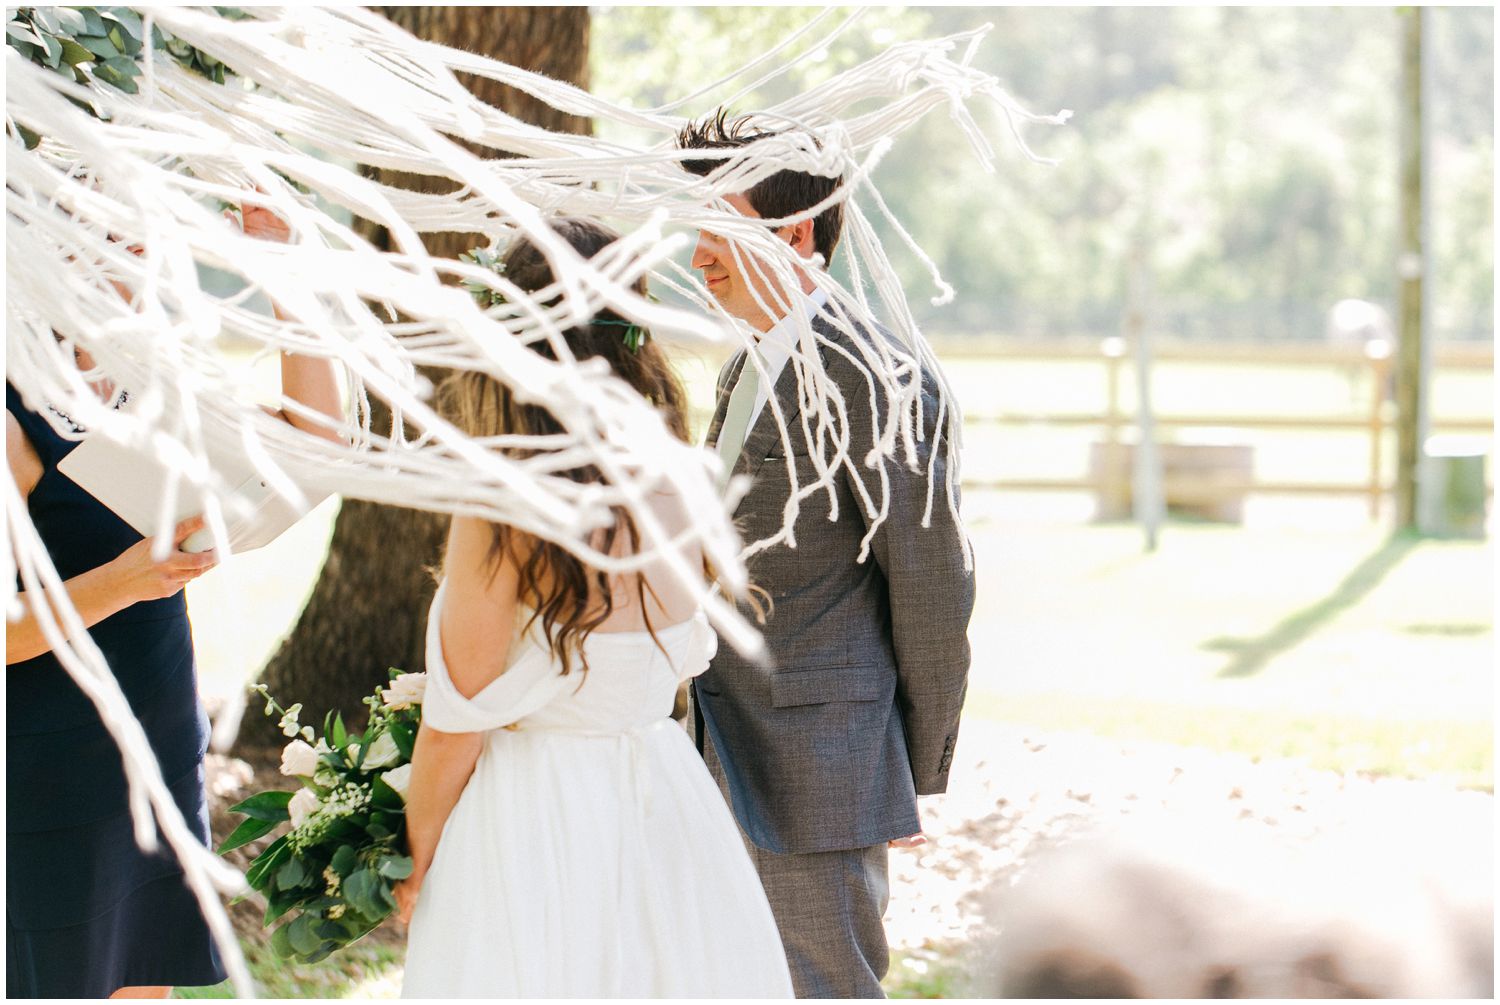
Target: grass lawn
x: 364, y: 970
x: 1352, y: 649
x: 374, y: 971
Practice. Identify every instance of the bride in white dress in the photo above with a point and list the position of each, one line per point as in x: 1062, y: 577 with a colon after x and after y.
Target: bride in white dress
x: 566, y: 837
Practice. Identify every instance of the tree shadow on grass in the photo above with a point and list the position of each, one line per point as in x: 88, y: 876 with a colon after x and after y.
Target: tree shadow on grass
x: 1252, y: 654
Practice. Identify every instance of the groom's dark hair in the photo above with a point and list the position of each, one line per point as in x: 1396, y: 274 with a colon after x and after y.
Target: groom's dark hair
x: 780, y: 195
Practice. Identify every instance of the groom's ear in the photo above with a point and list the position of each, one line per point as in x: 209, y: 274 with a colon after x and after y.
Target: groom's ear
x: 800, y: 236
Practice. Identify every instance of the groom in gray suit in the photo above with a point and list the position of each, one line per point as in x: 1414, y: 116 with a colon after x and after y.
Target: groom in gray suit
x: 823, y: 754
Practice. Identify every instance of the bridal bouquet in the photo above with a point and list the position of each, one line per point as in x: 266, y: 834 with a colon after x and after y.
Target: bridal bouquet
x: 334, y: 868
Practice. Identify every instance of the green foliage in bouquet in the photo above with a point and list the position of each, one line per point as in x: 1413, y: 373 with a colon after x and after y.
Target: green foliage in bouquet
x: 334, y: 869
x: 103, y: 44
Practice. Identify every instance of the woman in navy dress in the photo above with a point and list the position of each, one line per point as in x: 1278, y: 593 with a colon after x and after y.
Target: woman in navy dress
x: 88, y: 914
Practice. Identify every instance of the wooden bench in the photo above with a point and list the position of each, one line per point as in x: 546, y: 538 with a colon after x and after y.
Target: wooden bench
x: 1207, y: 480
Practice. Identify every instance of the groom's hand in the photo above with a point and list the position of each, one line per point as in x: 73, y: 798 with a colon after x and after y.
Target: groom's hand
x: 910, y: 842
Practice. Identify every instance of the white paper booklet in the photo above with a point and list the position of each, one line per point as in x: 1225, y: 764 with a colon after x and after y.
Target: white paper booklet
x: 132, y: 482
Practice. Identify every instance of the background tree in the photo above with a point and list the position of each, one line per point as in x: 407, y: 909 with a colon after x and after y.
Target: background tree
x: 368, y: 610
x: 1267, y: 134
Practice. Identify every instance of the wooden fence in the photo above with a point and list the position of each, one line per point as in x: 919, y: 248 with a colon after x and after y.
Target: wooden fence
x: 1375, y: 360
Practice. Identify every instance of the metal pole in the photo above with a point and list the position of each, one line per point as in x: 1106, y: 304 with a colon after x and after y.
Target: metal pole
x: 1426, y: 303
x: 1409, y: 269
x: 1146, y: 487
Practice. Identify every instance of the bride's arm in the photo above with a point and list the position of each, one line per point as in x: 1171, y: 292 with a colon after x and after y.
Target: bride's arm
x: 477, y: 617
x: 479, y: 607
x: 440, y: 768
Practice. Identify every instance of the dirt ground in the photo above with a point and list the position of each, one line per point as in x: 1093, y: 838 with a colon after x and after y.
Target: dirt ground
x: 1018, y: 794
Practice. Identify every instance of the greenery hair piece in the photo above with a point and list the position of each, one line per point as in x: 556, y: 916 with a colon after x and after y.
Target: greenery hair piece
x: 487, y: 296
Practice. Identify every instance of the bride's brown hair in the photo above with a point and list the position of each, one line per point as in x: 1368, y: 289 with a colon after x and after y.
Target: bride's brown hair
x: 553, y: 583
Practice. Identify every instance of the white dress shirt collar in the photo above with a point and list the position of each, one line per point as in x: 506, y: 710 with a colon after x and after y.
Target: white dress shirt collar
x: 775, y: 348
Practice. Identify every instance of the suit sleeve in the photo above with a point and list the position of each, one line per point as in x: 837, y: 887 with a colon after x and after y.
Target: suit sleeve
x: 931, y: 595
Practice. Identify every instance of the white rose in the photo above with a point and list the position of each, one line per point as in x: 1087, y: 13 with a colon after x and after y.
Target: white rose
x: 382, y: 752
x: 405, y: 691
x: 303, y: 805
x: 398, y: 779
x: 297, y: 758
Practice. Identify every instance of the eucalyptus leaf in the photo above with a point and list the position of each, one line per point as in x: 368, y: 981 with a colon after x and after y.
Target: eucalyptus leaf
x: 99, y: 46
x: 93, y: 23
x: 118, y: 79
x: 69, y: 21
x: 124, y: 65
x: 333, y: 930
x: 291, y: 875
x: 20, y: 31
x: 302, y: 937
x: 278, y: 904
x: 344, y: 860
x: 127, y: 19
x: 73, y: 53
x: 397, y: 867
x: 281, y: 943
x: 54, y: 49
x: 360, y: 891
x: 31, y: 51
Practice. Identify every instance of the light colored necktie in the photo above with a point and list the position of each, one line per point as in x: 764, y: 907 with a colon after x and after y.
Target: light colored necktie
x: 737, y: 420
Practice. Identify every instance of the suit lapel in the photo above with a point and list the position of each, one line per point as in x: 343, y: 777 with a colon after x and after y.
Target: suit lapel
x: 736, y: 364
x: 764, y: 434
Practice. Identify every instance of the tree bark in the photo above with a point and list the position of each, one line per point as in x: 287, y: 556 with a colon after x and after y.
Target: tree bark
x: 368, y: 611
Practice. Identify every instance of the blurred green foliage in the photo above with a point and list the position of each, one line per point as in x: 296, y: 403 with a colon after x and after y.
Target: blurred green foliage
x: 86, y: 44
x: 1248, y: 153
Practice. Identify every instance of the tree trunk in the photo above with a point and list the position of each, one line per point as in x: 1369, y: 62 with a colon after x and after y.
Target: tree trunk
x: 368, y: 611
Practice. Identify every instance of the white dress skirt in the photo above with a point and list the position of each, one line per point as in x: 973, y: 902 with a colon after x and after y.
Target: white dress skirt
x: 591, y: 854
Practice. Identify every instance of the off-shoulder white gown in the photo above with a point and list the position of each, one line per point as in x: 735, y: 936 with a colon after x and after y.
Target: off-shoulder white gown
x: 591, y: 854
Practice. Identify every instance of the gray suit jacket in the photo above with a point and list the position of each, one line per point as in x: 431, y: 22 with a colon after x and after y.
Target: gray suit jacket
x: 828, y: 747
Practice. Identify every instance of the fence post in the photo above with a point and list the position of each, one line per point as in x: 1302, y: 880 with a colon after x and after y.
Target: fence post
x: 1113, y: 349
x: 1113, y: 471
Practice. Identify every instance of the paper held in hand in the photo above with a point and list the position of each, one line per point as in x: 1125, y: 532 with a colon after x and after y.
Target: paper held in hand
x: 131, y: 481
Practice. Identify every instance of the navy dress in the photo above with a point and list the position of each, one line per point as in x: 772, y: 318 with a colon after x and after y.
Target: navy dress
x: 86, y: 911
